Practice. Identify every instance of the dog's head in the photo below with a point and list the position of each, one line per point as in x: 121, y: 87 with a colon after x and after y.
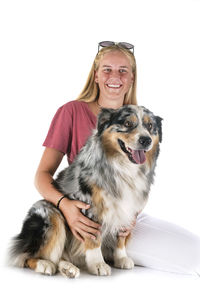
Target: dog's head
x: 131, y: 130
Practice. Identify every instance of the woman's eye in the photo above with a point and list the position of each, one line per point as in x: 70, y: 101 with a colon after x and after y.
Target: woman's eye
x: 122, y: 71
x: 107, y: 70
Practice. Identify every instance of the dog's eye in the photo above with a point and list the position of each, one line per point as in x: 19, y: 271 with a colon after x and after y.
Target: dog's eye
x: 149, y: 126
x: 128, y: 124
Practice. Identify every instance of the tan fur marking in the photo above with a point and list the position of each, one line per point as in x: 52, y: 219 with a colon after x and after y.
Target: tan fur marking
x: 128, y: 137
x: 31, y: 263
x: 146, y: 119
x: 99, y: 205
x: 127, y: 238
x: 98, y: 202
x: 110, y: 142
x: 92, y: 244
x: 121, y: 242
x: 150, y: 154
x: 46, y: 250
x: 133, y: 118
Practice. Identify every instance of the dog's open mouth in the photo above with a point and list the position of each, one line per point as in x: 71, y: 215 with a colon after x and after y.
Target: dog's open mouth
x: 135, y: 156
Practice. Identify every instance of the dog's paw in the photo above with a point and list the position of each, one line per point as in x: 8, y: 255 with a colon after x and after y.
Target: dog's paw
x: 45, y: 267
x: 68, y: 269
x: 124, y: 263
x: 100, y: 269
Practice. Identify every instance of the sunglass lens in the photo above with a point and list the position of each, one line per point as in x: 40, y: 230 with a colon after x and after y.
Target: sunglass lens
x: 106, y: 43
x: 126, y: 45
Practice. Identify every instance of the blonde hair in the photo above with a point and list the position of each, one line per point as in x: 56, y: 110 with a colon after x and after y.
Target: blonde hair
x: 91, y: 90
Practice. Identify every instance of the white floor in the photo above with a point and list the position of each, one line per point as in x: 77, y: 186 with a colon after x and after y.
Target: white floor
x: 139, y: 276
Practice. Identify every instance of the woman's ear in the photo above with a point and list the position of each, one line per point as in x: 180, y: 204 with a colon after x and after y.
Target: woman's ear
x: 96, y: 76
x: 133, y: 77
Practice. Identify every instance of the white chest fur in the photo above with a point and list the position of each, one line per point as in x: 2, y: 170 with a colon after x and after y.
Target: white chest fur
x: 120, y: 212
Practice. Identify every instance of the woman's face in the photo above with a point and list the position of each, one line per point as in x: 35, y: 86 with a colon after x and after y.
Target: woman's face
x: 114, y: 75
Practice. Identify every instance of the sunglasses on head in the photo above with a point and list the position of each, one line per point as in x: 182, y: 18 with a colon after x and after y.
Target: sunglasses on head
x: 111, y: 43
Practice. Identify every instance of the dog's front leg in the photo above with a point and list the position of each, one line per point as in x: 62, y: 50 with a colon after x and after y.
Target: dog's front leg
x: 94, y: 258
x: 121, y: 260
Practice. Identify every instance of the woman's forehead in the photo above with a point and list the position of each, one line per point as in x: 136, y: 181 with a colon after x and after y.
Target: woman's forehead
x: 115, y: 58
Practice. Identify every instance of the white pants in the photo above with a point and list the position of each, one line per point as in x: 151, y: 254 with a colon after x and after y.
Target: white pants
x: 164, y: 246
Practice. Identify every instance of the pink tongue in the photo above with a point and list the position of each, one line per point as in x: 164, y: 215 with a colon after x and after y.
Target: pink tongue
x: 139, y: 156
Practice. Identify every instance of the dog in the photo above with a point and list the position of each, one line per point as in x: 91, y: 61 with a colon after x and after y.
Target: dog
x: 113, y: 173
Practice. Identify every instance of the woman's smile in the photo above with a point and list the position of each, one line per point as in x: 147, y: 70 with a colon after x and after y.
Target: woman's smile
x: 113, y: 86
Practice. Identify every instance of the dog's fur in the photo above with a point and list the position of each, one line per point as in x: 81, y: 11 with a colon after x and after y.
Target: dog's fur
x: 113, y: 173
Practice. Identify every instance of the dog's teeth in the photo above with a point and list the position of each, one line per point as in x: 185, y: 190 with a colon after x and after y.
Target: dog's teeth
x: 129, y: 149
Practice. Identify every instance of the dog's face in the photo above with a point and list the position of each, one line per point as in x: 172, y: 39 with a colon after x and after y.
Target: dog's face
x: 132, y: 131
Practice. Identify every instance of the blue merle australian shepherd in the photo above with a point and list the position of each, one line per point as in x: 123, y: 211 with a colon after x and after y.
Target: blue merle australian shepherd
x: 113, y: 173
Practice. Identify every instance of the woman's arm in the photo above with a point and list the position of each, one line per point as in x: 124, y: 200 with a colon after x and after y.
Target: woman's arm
x: 81, y: 226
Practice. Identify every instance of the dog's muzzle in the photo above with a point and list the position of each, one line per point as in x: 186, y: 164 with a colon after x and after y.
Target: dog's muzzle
x: 137, y: 156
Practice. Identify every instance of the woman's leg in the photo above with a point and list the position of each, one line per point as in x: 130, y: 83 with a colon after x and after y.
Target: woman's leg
x: 164, y: 246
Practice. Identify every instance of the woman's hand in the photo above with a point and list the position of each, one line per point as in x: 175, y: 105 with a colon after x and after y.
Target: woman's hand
x: 81, y: 226
x: 124, y: 232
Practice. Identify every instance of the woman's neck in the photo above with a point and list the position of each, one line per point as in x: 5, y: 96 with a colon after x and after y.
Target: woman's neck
x: 97, y: 105
x: 107, y: 103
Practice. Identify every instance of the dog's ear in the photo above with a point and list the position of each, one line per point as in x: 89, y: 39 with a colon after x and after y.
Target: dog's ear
x: 159, y: 125
x: 104, y: 119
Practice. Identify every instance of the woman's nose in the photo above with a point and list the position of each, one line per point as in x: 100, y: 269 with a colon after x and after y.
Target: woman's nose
x: 115, y: 74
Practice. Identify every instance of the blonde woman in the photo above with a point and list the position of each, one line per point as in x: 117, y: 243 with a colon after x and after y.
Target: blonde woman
x: 111, y: 83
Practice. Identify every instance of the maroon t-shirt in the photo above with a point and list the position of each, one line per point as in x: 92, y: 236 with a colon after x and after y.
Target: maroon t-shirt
x: 70, y: 128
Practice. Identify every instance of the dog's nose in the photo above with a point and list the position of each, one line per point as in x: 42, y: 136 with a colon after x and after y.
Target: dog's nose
x: 145, y: 141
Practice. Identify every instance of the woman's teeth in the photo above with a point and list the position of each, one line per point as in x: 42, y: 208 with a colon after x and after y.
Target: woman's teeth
x: 113, y: 86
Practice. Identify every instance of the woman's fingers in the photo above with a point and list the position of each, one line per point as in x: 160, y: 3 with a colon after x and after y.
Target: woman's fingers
x: 81, y: 235
x: 85, y: 231
x: 81, y: 205
x: 89, y: 222
x: 88, y: 229
x: 85, y: 219
x: 124, y: 234
x: 125, y: 231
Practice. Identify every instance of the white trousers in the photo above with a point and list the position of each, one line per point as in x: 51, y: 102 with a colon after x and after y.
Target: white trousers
x: 164, y: 246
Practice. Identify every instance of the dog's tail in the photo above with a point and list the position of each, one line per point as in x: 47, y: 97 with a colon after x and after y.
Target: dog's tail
x: 28, y: 242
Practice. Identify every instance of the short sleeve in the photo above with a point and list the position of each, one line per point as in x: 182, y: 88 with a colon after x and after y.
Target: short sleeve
x: 60, y: 131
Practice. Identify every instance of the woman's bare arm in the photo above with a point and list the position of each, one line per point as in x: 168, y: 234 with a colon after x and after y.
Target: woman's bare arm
x: 49, y: 163
x: 81, y: 226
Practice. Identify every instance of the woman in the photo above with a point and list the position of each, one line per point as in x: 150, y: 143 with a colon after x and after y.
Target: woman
x: 111, y: 84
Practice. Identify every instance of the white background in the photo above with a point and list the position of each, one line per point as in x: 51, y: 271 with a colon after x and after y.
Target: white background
x: 46, y: 51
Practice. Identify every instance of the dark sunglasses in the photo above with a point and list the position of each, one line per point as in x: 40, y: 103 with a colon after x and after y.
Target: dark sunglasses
x: 111, y: 43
